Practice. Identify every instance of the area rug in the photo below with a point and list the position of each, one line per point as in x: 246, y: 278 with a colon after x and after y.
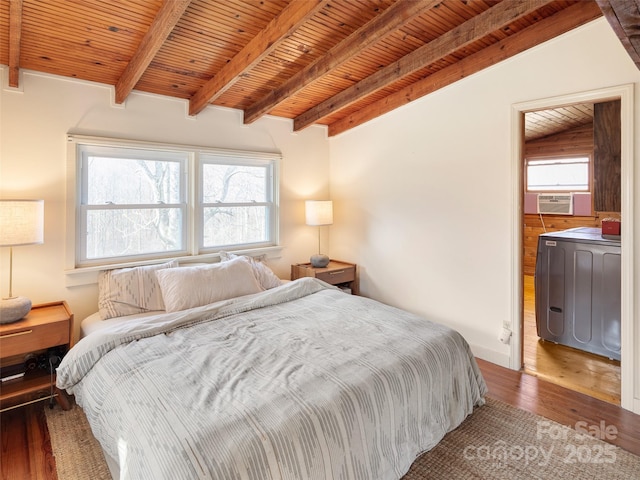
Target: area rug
x: 497, y: 442
x: 77, y: 453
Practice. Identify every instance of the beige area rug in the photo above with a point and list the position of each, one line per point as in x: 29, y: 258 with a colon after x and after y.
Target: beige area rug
x: 497, y: 442
x: 77, y: 453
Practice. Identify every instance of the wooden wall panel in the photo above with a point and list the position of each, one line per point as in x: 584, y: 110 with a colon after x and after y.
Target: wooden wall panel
x: 579, y: 140
x: 607, y: 161
x: 533, y: 227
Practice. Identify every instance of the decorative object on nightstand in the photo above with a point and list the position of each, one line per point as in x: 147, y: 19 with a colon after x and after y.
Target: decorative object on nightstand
x: 319, y: 213
x: 21, y: 223
x: 341, y: 274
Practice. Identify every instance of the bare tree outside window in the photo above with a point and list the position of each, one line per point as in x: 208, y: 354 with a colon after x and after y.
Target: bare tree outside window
x: 135, y: 207
x: 234, y: 204
x: 138, y: 203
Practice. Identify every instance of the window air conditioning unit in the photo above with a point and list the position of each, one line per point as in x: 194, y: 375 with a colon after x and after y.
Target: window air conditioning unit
x: 555, y: 204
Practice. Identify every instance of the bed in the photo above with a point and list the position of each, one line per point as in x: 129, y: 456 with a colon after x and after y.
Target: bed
x: 295, y: 381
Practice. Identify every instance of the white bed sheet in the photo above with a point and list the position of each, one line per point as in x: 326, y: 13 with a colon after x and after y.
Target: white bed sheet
x: 94, y: 323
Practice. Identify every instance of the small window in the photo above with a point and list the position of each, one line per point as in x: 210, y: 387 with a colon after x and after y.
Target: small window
x: 566, y: 174
x: 237, y: 206
x: 132, y: 204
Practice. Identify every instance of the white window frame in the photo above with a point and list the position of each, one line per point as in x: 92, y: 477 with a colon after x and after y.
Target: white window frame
x: 193, y: 251
x: 205, y: 158
x: 534, y: 158
x: 84, y: 151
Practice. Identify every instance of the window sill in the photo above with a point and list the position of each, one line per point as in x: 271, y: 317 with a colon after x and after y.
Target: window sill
x: 89, y: 275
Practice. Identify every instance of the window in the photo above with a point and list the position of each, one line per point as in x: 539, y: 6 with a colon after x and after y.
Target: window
x: 564, y: 174
x: 138, y: 202
x: 132, y: 203
x: 237, y: 202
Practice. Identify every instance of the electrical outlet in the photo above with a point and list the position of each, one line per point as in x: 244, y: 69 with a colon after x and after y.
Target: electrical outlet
x: 505, y: 335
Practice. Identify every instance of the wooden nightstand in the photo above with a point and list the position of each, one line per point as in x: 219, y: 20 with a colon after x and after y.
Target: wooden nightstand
x: 45, y: 327
x: 336, y: 273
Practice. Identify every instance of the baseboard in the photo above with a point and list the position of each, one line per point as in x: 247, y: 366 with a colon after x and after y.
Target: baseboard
x: 489, y: 355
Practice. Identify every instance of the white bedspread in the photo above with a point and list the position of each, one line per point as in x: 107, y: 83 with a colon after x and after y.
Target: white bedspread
x: 298, y: 382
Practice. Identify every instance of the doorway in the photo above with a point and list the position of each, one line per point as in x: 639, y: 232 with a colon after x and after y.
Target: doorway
x: 625, y: 94
x: 558, y: 149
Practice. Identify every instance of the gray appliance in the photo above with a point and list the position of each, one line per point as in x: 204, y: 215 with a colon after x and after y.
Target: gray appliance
x: 577, y: 290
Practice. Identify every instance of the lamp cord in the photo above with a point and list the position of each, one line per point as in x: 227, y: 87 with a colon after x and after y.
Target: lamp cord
x: 52, y: 394
x: 50, y: 381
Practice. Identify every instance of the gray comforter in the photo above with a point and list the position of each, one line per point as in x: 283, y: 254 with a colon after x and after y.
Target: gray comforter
x: 298, y: 382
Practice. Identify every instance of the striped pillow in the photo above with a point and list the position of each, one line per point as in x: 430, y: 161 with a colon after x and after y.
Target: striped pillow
x: 127, y: 291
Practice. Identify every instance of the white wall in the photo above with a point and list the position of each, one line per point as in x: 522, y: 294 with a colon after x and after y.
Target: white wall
x: 35, y: 119
x: 423, y: 194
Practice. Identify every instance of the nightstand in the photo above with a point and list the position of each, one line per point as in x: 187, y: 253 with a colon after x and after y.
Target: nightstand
x: 341, y: 274
x: 46, y: 330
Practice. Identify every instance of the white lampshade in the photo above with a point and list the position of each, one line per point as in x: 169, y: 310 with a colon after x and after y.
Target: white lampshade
x: 319, y: 212
x: 21, y: 222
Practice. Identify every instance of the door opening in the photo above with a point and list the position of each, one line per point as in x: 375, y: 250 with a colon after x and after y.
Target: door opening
x: 519, y: 237
x: 562, y: 342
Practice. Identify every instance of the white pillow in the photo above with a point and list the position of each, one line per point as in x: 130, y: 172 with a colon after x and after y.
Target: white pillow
x: 127, y: 291
x: 188, y: 287
x: 265, y: 276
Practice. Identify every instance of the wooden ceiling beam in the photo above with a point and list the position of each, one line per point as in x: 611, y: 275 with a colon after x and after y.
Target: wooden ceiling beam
x: 165, y: 21
x: 624, y: 18
x: 289, y: 20
x: 542, y: 31
x: 390, y: 20
x: 15, y: 33
x: 473, y: 29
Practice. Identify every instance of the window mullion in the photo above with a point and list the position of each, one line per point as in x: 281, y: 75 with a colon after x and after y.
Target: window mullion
x: 192, y: 194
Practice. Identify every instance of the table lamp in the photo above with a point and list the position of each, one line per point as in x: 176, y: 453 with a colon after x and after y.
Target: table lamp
x: 319, y: 213
x: 21, y: 223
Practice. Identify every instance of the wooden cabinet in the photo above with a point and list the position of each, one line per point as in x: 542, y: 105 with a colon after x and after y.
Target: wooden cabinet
x: 337, y: 273
x: 32, y: 340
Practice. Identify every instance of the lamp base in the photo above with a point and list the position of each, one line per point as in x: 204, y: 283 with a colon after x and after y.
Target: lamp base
x: 319, y: 261
x: 13, y: 309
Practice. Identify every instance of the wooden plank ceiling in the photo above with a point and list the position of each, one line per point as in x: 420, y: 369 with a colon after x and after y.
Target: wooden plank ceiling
x: 542, y: 123
x: 332, y: 62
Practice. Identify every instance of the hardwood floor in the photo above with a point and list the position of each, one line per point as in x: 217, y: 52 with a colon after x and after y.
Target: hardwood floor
x: 26, y: 448
x: 580, y: 371
x: 560, y: 404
